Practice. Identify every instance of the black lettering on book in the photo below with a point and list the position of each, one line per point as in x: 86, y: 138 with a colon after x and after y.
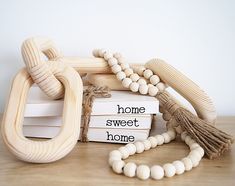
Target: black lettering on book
x: 122, y: 123
x: 121, y: 137
x: 130, y: 110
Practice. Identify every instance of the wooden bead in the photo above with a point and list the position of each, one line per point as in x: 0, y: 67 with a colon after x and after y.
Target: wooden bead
x: 152, y: 91
x: 190, y: 142
x: 124, y: 152
x: 112, y: 159
x: 126, y: 82
x: 166, y: 116
x: 154, y: 79
x: 134, y: 87
x: 116, y: 69
x: 115, y: 153
x: 117, y: 55
x: 95, y: 53
x: 183, y: 135
x: 141, y: 81
x: 108, y: 55
x: 166, y: 137
x: 143, y: 172
x: 194, y: 160
x: 128, y: 71
x: 157, y: 172
x: 130, y: 169
x: 140, y: 70
x: 160, y: 139
x: 161, y: 86
x: 153, y: 141
x: 187, y: 139
x: 139, y: 147
x: 171, y: 133
x: 179, y: 167
x: 120, y: 75
x: 101, y: 52
x: 193, y: 146
x: 135, y: 77
x: 169, y: 170
x: 143, y: 89
x: 187, y: 163
x: 125, y: 66
x: 118, y: 166
x: 131, y: 148
x: 200, y: 150
x: 148, y: 73
x: 112, y: 61
x: 147, y: 144
x: 196, y: 154
x: 178, y: 129
x: 150, y: 85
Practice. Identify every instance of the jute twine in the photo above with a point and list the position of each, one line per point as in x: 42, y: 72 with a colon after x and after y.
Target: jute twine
x: 88, y: 97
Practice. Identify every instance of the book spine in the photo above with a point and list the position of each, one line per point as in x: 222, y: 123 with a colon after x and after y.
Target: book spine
x: 94, y: 134
x: 111, y: 121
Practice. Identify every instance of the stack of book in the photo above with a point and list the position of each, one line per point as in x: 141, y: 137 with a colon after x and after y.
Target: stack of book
x: 124, y: 117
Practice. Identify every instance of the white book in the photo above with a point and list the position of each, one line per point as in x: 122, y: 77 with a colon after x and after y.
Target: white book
x: 121, y: 102
x: 94, y: 134
x: 109, y: 121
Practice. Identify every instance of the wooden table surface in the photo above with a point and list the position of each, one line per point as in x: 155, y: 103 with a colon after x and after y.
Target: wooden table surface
x: 87, y: 165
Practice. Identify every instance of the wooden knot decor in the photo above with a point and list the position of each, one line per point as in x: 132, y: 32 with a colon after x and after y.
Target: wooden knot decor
x: 58, y: 78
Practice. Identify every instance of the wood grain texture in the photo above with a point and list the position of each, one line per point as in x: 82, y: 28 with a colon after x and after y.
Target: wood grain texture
x: 201, y: 102
x: 63, y: 143
x: 87, y: 165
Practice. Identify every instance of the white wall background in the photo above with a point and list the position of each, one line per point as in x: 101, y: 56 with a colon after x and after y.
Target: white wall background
x: 197, y: 36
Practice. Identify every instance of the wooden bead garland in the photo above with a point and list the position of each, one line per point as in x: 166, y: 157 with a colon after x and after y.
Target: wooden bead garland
x: 139, y: 84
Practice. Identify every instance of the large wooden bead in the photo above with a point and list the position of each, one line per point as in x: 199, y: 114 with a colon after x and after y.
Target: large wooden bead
x: 126, y: 82
x: 124, y: 151
x: 179, y: 167
x: 112, y: 61
x: 187, y: 139
x: 148, y: 73
x: 95, y: 53
x: 142, y: 81
x: 120, y: 75
x: 140, y: 70
x: 171, y: 133
x: 200, y: 150
x: 116, y: 69
x: 118, y: 166
x: 101, y: 52
x: 160, y: 139
x: 166, y: 137
x: 108, y: 55
x: 143, y: 172
x: 143, y: 89
x: 135, y: 77
x: 128, y: 72
x: 115, y: 153
x: 125, y: 66
x: 134, y: 87
x: 196, y: 154
x: 187, y: 163
x: 131, y: 148
x: 157, y: 172
x: 183, y: 135
x: 112, y: 159
x: 139, y: 147
x: 152, y: 91
x: 169, y: 170
x: 161, y: 86
x: 154, y: 79
x: 153, y: 141
x: 194, y: 159
x: 147, y: 144
x: 130, y: 169
x: 194, y: 146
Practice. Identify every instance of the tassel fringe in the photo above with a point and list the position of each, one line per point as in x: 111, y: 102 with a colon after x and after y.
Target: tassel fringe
x: 214, y: 141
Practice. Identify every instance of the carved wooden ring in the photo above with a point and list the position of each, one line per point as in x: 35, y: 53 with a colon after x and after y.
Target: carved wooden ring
x: 32, y: 49
x: 57, y: 147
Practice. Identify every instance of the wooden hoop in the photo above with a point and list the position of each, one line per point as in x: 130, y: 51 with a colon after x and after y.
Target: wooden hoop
x: 57, y: 147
